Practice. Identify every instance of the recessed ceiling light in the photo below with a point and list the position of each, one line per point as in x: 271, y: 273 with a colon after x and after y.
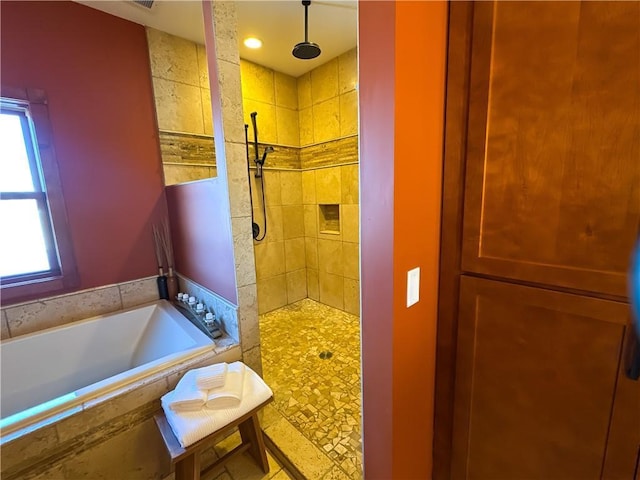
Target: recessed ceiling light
x: 252, y: 42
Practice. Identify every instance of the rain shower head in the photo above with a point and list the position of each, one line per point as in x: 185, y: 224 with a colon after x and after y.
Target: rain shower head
x: 306, y: 50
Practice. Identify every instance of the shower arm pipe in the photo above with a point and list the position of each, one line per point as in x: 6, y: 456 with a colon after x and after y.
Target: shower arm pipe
x: 306, y: 20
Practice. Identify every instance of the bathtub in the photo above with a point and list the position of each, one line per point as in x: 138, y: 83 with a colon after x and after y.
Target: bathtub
x: 48, y: 372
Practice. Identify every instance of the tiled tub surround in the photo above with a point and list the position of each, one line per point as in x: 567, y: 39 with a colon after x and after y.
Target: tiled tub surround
x: 55, y: 370
x: 112, y: 435
x: 325, y: 407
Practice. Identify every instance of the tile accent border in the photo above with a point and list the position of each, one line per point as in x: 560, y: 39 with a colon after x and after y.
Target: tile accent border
x: 186, y: 148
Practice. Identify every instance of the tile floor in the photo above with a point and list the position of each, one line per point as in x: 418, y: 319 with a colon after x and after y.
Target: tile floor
x: 242, y: 467
x: 311, y: 360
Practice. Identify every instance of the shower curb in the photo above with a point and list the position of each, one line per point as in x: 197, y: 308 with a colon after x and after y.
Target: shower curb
x: 281, y: 457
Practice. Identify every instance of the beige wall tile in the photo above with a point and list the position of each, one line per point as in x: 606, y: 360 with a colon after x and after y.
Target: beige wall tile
x: 331, y: 290
x: 311, y: 220
x: 328, y: 185
x: 243, y: 250
x: 5, y: 327
x: 348, y: 71
x: 351, y: 260
x: 324, y: 81
x: 311, y: 252
x: 350, y: 224
x: 126, y: 455
x: 287, y: 126
x: 286, y: 91
x: 304, y: 91
x: 203, y: 67
x: 272, y: 293
x: 270, y: 259
x: 309, y: 187
x: 291, y: 188
x: 56, y: 311
x: 296, y: 285
x: 350, y: 184
x: 248, y: 316
x: 271, y: 182
x: 349, y: 113
x: 330, y: 256
x: 173, y: 58
x: 275, y: 231
x: 326, y: 120
x: 178, y: 106
x: 240, y: 199
x: 253, y: 359
x: 257, y: 82
x: 265, y: 120
x: 138, y: 292
x: 207, y: 112
x: 184, y: 173
x: 293, y: 221
x: 352, y: 296
x: 313, y: 288
x: 229, y: 83
x: 305, y: 117
x: 294, y: 252
x: 28, y: 446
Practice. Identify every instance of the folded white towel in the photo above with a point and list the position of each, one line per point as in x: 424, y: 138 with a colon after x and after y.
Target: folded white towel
x: 212, y: 376
x: 189, y: 427
x: 230, y: 394
x: 186, y: 396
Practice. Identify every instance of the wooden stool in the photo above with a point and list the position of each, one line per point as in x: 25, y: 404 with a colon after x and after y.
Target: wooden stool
x: 187, y: 459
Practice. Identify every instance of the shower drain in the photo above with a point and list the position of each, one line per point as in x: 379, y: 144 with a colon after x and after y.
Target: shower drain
x: 326, y: 355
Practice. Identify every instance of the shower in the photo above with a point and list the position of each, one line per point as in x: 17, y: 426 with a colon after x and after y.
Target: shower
x: 259, y: 161
x: 306, y: 50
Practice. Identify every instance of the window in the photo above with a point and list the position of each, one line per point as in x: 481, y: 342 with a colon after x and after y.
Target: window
x: 35, y: 252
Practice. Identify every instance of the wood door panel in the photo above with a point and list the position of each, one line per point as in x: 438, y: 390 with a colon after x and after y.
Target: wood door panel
x: 536, y: 378
x: 623, y: 446
x: 552, y: 194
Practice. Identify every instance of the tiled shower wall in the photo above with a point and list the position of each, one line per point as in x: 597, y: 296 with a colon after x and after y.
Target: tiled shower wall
x: 312, y: 123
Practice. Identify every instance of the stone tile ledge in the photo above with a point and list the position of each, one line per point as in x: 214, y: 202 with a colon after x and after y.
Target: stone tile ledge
x: 297, y: 453
x: 34, y: 315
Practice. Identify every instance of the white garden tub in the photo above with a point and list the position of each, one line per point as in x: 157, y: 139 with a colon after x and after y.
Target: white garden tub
x: 48, y: 372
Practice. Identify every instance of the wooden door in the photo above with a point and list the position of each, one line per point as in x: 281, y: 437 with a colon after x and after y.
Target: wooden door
x: 537, y: 376
x: 553, y: 146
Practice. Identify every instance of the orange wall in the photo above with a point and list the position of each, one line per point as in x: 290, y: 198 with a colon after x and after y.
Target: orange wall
x: 421, y: 40
x: 401, y: 145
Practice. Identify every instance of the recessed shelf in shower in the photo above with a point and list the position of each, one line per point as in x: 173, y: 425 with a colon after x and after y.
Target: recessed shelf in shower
x: 329, y: 220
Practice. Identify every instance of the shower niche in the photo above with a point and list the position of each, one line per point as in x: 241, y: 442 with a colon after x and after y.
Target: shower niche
x: 329, y: 219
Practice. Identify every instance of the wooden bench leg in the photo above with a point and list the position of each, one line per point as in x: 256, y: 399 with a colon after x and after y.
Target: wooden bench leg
x: 251, y: 433
x: 189, y: 467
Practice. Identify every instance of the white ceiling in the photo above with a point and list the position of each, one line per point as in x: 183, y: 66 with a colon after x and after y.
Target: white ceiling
x: 279, y: 24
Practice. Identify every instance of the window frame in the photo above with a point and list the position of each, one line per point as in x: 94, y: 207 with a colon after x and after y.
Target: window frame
x: 49, y: 194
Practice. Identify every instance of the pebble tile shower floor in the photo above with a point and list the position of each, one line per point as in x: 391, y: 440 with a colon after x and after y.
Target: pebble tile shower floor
x: 311, y: 360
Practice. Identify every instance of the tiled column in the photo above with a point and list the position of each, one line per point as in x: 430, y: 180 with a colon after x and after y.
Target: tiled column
x: 226, y: 99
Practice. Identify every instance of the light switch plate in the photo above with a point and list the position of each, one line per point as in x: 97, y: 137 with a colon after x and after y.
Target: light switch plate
x: 413, y: 286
